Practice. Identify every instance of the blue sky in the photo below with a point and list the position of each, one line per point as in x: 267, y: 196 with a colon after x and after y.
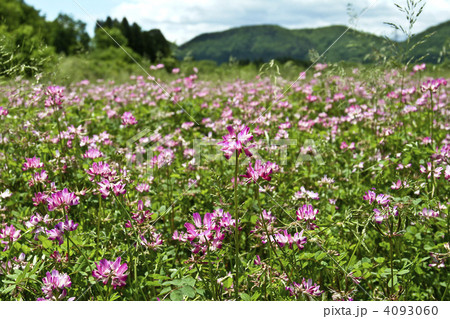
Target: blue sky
x: 181, y: 20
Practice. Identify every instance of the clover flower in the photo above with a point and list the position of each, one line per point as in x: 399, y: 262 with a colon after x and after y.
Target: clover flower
x: 3, y: 111
x: 303, y: 193
x: 206, y: 235
x: 128, y: 119
x: 93, y: 153
x: 55, y: 96
x: 283, y: 237
x: 305, y: 287
x: 370, y: 196
x: 39, y: 223
x: 429, y: 213
x: 165, y: 157
x: 105, y: 188
x: 62, y: 199
x: 9, y: 233
x: 39, y: 198
x: 432, y: 85
x: 55, y: 285
x: 436, y: 172
x: 384, y: 213
x: 236, y: 142
x: 40, y: 177
x: 58, y: 232
x: 260, y: 170
x: 419, y: 67
x: 141, y: 215
x: 34, y: 162
x: 307, y: 213
x: 154, y: 241
x: 115, y: 271
x: 101, y: 169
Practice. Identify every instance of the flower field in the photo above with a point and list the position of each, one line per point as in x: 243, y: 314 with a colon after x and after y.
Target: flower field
x: 331, y: 187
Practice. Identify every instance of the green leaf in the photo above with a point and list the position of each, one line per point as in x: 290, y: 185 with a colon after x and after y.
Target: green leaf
x: 189, y: 281
x: 188, y: 291
x: 8, y: 289
x: 245, y: 297
x: 176, y: 295
x: 403, y: 272
x: 165, y: 290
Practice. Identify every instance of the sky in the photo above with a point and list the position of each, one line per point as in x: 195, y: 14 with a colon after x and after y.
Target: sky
x: 181, y: 20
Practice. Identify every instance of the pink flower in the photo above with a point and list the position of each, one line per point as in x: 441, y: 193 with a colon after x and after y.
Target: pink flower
x: 93, y: 153
x: 303, y: 193
x: 62, y: 199
x: 307, y: 212
x: 429, y: 213
x: 39, y: 198
x: 187, y: 125
x: 55, y: 96
x: 236, y: 142
x: 283, y: 238
x: 154, y: 242
x: 432, y: 85
x: 429, y: 169
x: 128, y: 119
x: 34, y: 162
x: 3, y: 111
x: 100, y: 169
x: 104, y: 188
x: 118, y: 188
x: 143, y: 187
x: 419, y: 67
x: 338, y: 96
x: 397, y: 185
x: 164, y: 158
x: 306, y: 287
x: 260, y: 170
x: 383, y: 199
x: 55, y: 285
x: 58, y: 232
x: 202, y: 230
x: 107, y: 270
x: 384, y: 213
x: 10, y: 234
x: 38, y: 178
x: 207, y: 235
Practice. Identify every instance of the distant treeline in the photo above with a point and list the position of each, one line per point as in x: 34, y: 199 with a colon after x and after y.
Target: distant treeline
x: 150, y: 44
x: 29, y: 43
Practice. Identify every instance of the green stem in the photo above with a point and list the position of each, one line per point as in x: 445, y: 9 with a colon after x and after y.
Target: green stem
x: 392, y: 265
x: 236, y: 229
x: 431, y: 116
x: 84, y: 255
x: 98, y: 224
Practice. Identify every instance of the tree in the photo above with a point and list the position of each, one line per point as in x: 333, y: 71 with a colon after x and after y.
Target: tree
x: 69, y: 36
x: 103, y: 41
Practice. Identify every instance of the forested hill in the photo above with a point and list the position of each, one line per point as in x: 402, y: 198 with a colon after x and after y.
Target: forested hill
x: 264, y: 42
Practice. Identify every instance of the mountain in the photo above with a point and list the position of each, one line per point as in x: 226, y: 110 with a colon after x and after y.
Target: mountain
x: 434, y: 45
x: 265, y: 42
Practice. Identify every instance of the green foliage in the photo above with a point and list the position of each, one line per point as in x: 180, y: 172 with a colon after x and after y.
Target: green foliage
x: 69, y: 36
x: 263, y: 43
x: 149, y: 44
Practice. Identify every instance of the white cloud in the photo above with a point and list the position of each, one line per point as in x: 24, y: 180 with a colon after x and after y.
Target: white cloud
x: 181, y: 20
